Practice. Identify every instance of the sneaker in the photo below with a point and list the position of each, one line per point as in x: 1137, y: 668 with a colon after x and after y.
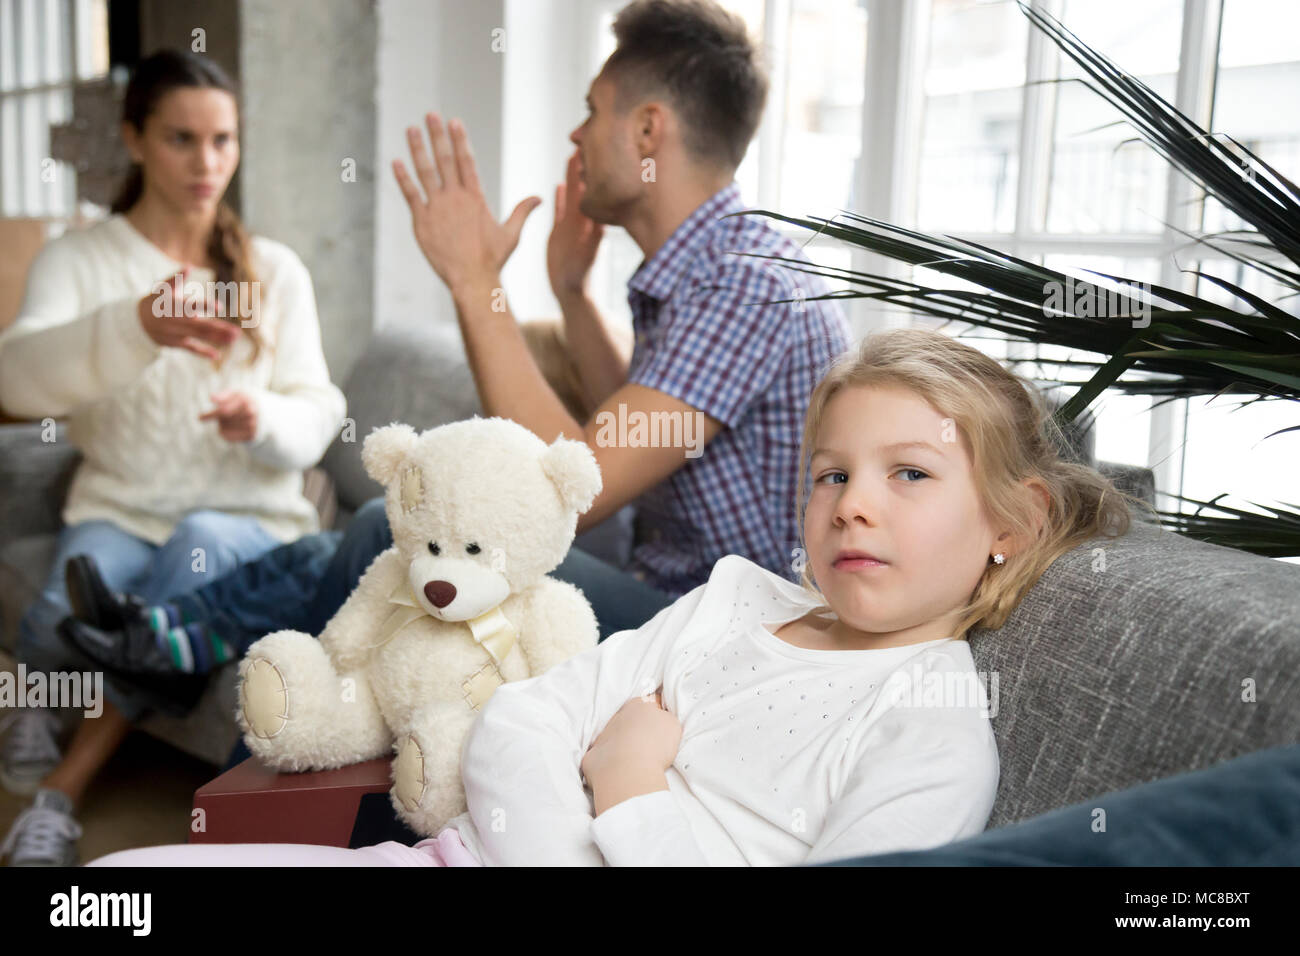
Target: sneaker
x: 95, y: 602
x: 134, y: 664
x: 45, y: 834
x: 31, y: 749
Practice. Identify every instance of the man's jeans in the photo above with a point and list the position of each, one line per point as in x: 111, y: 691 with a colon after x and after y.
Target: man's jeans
x: 203, y: 546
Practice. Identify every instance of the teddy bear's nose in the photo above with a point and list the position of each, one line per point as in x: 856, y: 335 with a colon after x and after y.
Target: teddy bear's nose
x: 440, y: 593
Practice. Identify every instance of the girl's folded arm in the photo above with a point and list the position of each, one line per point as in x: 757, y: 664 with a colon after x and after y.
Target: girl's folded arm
x: 521, y: 764
x: 927, y: 776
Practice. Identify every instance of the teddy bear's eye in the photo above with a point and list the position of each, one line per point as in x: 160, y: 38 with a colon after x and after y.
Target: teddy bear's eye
x: 472, y: 548
x: 433, y: 548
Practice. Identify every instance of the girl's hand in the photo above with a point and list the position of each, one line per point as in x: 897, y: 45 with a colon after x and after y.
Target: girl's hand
x: 236, y: 415
x: 163, y: 315
x: 642, y: 738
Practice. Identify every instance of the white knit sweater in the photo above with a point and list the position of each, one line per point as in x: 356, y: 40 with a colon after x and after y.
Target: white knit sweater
x: 78, y: 350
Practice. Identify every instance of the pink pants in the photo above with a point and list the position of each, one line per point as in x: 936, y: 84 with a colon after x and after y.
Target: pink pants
x: 445, y: 849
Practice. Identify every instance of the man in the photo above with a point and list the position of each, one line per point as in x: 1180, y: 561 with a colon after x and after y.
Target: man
x: 671, y: 115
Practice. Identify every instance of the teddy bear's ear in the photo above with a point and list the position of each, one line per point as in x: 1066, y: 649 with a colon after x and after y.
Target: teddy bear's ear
x: 572, y: 468
x: 383, y: 451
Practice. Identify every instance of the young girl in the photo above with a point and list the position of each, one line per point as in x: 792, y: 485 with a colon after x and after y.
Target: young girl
x: 194, y: 423
x: 756, y: 721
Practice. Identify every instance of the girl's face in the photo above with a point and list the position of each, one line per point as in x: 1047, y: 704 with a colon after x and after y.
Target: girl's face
x: 189, y: 148
x: 891, y: 479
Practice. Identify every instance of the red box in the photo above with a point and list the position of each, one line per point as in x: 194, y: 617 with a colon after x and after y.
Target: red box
x: 251, y: 803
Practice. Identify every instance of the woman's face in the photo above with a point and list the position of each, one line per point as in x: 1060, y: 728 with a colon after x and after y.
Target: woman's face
x: 189, y: 148
x: 912, y: 507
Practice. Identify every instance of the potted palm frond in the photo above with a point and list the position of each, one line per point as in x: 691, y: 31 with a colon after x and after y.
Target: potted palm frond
x: 1150, y: 339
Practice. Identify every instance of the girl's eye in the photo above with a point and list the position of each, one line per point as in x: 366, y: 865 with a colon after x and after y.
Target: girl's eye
x: 472, y: 548
x: 915, y: 471
x: 434, y: 549
x: 833, y: 474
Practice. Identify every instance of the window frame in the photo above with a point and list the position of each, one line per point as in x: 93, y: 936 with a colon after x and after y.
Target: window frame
x: 35, y: 34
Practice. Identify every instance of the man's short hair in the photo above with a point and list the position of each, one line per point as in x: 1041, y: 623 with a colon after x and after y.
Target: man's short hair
x: 701, y: 59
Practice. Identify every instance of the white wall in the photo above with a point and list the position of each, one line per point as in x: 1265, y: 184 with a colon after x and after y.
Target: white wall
x: 300, y: 125
x: 545, y: 84
x: 519, y: 106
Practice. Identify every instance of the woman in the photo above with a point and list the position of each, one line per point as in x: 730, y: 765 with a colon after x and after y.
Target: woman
x: 195, y: 414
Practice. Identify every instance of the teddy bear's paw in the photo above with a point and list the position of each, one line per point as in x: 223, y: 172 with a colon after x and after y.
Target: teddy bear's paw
x: 265, y: 699
x: 297, y: 713
x: 409, y: 783
x: 427, y: 790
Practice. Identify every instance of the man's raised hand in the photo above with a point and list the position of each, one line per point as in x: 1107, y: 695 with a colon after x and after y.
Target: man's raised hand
x: 450, y: 217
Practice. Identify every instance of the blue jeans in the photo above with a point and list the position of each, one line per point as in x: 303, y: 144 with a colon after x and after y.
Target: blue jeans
x: 1243, y: 812
x: 203, y: 546
x: 269, y: 594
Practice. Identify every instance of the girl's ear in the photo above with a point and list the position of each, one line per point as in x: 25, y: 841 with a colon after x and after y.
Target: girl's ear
x: 384, y: 450
x: 1041, y: 500
x: 573, y: 470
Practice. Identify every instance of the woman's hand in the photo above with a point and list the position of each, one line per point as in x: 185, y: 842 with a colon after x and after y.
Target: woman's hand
x: 235, y: 414
x: 630, y: 756
x: 163, y: 314
x: 571, y: 248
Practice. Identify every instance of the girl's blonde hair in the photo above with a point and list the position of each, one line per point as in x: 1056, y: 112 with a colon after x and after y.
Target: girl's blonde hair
x: 1008, y: 433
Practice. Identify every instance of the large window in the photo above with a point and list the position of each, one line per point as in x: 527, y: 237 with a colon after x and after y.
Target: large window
x: 45, y: 47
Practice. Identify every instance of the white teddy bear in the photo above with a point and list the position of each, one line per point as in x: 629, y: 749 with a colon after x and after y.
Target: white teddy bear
x: 480, y: 511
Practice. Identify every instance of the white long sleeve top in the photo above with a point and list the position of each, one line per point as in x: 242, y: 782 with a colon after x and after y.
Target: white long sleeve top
x: 788, y: 754
x: 77, y: 349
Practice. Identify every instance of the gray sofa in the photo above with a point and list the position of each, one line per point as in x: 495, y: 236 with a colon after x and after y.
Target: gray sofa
x: 1105, y: 678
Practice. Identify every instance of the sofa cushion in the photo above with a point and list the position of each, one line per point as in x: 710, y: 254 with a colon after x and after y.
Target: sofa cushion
x: 1135, y: 658
x: 24, y: 566
x: 415, y: 375
x: 208, y: 731
x: 34, y: 478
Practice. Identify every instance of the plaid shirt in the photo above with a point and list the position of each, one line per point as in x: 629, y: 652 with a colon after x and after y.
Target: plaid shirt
x: 701, y: 338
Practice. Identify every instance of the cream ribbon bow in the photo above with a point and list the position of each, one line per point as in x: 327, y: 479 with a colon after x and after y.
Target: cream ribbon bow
x: 491, y: 629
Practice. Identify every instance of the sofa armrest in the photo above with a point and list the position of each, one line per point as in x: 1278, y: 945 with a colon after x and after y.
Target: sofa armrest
x: 34, y: 478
